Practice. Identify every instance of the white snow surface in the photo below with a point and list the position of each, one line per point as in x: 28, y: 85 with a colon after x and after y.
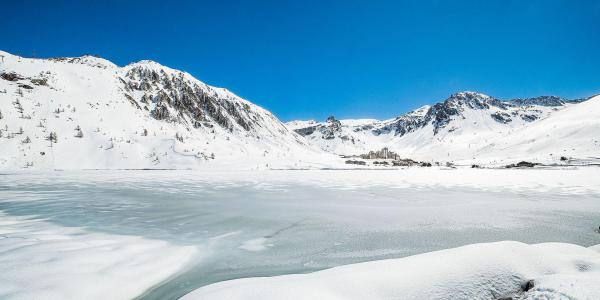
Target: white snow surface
x: 572, y: 131
x: 40, y: 260
x: 478, y: 271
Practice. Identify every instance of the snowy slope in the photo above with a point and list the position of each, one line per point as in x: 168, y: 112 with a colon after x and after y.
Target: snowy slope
x: 467, y: 127
x: 479, y: 271
x: 573, y: 132
x: 86, y: 112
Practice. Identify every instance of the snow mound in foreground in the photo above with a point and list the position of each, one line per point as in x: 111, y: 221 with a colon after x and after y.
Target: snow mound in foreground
x: 44, y: 261
x: 478, y: 271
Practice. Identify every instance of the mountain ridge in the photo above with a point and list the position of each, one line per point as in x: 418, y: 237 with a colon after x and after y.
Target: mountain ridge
x: 436, y: 132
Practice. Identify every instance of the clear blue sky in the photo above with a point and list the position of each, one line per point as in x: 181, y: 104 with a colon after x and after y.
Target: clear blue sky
x: 310, y: 59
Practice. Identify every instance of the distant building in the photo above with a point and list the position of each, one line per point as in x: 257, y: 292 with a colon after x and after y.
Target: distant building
x: 384, y: 153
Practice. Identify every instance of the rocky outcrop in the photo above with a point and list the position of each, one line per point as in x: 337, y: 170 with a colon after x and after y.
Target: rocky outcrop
x: 328, y: 130
x: 174, y: 97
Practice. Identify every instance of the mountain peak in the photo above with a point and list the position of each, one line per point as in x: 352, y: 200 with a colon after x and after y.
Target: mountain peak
x: 468, y: 95
x: 145, y: 63
x: 88, y: 59
x: 150, y: 65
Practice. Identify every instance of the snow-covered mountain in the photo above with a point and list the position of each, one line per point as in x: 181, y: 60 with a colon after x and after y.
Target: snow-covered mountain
x: 86, y: 112
x: 468, y: 127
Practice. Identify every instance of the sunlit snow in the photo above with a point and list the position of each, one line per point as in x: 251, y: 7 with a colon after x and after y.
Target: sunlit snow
x: 265, y: 223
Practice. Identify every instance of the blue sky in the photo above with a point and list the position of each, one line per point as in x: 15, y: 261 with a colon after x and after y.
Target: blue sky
x: 311, y: 59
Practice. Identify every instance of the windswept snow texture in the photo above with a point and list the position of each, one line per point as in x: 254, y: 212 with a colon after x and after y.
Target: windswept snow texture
x: 87, y: 113
x: 470, y: 127
x: 40, y: 260
x: 268, y: 223
x: 479, y: 271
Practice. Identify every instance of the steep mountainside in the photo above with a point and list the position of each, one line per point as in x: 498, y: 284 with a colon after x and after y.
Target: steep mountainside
x: 86, y: 112
x: 455, y: 129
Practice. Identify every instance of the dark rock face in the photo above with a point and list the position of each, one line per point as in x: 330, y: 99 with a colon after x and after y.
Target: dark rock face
x: 503, y: 118
x: 327, y: 130
x: 174, y: 98
x: 541, y: 101
x: 529, y: 118
x: 39, y: 81
x: 528, y: 285
x: 441, y: 114
x: 333, y: 126
x: 11, y: 76
x: 306, y: 131
x: 402, y: 125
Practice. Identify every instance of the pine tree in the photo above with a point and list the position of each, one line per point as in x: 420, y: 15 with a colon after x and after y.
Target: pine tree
x: 52, y: 137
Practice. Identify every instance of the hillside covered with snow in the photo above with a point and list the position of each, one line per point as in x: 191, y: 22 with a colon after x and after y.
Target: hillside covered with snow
x: 471, y: 127
x: 87, y: 113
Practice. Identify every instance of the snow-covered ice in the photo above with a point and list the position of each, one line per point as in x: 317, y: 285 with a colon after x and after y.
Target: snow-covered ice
x: 269, y: 223
x: 40, y: 260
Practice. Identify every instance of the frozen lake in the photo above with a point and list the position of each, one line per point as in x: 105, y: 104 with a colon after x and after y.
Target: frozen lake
x: 264, y: 223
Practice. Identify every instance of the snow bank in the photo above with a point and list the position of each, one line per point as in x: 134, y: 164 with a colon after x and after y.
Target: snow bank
x: 40, y: 260
x: 478, y: 271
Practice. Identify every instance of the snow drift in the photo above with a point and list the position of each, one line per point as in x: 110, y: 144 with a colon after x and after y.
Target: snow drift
x: 41, y: 260
x: 479, y: 271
